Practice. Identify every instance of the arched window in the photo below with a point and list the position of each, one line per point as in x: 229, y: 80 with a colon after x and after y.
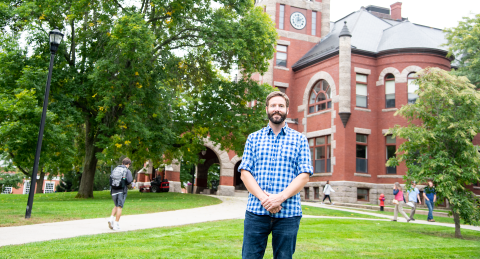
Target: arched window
x: 320, y: 98
x: 412, y: 87
x: 390, y: 91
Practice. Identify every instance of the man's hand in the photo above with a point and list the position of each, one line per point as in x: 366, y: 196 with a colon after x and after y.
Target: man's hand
x: 273, y: 201
x: 270, y: 209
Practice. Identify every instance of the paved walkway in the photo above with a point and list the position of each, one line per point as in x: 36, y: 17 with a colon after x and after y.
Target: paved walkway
x: 230, y: 208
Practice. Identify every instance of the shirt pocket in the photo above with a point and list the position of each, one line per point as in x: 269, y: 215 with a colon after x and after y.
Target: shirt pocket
x: 289, y: 152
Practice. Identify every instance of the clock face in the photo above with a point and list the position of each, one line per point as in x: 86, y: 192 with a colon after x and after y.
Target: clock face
x: 298, y: 20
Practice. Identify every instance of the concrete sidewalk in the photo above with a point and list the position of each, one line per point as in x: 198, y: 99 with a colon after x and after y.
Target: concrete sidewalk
x: 230, y: 208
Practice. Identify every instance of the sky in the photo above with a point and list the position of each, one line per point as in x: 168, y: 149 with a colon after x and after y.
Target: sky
x: 439, y: 14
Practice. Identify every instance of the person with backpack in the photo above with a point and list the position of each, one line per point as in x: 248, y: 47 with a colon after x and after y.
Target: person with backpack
x: 120, y: 178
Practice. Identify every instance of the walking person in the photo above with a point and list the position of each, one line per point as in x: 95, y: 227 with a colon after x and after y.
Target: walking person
x: 430, y: 195
x: 326, y: 191
x: 119, y: 179
x: 414, y: 197
x: 275, y: 166
x: 400, y: 201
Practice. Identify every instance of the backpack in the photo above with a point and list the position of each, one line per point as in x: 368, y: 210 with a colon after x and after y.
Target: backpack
x: 117, y: 177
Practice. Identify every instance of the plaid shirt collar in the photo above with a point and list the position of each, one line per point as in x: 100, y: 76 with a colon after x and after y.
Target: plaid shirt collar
x: 283, y: 131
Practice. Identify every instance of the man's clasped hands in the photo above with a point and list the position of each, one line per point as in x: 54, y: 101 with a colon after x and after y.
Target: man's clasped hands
x: 272, y: 202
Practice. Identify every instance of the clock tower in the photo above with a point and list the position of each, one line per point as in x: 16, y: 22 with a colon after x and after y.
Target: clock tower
x: 300, y: 25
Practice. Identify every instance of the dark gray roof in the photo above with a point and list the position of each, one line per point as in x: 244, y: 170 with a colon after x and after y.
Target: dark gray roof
x: 373, y: 35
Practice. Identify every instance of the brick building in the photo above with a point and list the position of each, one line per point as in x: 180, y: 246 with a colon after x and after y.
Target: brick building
x: 345, y: 80
x: 49, y: 185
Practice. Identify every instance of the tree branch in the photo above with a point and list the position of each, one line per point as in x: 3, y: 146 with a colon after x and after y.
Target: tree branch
x: 19, y: 167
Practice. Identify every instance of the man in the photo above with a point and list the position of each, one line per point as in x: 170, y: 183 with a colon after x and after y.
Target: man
x: 430, y: 196
x: 414, y: 197
x: 119, y: 196
x: 275, y: 166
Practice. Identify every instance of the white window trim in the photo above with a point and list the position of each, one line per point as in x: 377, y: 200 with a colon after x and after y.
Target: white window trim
x: 49, y: 182
x: 25, y: 184
x: 4, y: 191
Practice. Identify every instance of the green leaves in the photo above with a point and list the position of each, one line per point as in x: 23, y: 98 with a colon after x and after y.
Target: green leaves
x: 464, y: 43
x: 442, y: 125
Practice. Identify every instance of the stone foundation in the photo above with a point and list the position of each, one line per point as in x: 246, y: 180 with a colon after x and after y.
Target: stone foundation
x: 225, y: 190
x: 175, y: 186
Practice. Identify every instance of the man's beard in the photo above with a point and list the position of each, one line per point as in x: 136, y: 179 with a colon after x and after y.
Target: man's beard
x: 279, y: 120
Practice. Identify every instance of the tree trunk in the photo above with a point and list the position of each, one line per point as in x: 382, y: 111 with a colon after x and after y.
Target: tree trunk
x: 40, y: 181
x: 456, y: 219
x: 85, y: 189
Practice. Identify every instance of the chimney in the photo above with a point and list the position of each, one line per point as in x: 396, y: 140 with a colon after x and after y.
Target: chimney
x: 396, y: 13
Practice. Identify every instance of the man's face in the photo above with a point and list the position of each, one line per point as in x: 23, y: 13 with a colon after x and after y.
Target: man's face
x: 277, y: 110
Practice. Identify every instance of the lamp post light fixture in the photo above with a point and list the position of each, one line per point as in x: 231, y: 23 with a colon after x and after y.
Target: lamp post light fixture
x: 55, y: 39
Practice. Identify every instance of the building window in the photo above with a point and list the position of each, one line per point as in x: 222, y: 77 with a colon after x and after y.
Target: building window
x: 307, y: 193
x: 390, y: 91
x: 412, y: 87
x: 316, y: 193
x: 49, y: 187
x: 320, y: 149
x: 314, y: 23
x: 281, y: 56
x: 320, y: 97
x: 362, y: 161
x: 282, y: 89
x: 361, y: 89
x: 26, y: 187
x: 362, y: 194
x: 7, y: 190
x: 282, y: 17
x: 391, y: 149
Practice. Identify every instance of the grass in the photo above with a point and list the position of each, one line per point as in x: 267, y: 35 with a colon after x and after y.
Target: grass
x: 53, y: 207
x: 317, y: 238
x: 315, y: 211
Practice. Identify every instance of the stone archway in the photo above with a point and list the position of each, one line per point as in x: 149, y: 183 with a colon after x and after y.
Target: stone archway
x: 201, y: 179
x: 225, y: 188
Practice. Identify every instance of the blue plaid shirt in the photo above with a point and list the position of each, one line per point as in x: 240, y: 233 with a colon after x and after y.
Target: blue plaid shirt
x: 274, y: 161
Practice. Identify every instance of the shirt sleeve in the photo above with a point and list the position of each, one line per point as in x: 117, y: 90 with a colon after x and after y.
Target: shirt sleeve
x: 247, y: 158
x: 129, y: 177
x: 304, y: 161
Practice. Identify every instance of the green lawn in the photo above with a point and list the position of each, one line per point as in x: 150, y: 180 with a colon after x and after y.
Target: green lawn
x: 315, y: 211
x: 317, y: 238
x: 63, y: 206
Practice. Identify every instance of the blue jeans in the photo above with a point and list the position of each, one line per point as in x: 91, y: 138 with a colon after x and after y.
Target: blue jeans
x: 430, y: 205
x: 255, y: 235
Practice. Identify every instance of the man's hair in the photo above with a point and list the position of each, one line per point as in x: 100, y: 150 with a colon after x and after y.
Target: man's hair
x: 278, y: 93
x: 126, y: 161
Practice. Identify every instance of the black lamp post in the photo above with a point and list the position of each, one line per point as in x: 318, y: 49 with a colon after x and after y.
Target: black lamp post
x: 55, y: 39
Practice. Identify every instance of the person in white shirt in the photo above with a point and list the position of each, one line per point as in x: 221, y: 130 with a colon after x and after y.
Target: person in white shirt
x: 326, y: 191
x: 414, y: 197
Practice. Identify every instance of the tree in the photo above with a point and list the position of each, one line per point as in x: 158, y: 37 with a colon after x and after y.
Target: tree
x: 464, y: 43
x: 141, y: 78
x: 10, y: 180
x: 442, y: 124
x: 22, y: 84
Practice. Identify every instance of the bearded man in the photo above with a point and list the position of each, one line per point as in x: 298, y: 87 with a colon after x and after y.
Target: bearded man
x: 275, y: 166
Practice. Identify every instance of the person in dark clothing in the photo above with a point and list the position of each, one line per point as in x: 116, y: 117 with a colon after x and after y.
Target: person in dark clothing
x: 119, y: 196
x: 430, y: 196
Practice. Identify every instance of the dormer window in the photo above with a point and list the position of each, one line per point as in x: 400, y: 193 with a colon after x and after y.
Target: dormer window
x: 320, y: 98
